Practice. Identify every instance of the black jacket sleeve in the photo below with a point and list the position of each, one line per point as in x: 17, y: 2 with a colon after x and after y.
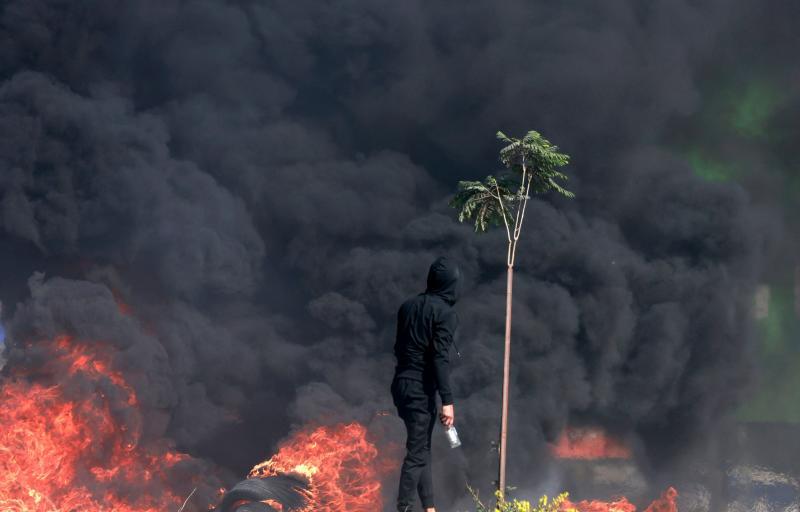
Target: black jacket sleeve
x: 444, y: 330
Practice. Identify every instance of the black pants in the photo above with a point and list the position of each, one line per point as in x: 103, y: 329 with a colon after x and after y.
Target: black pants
x: 417, y: 408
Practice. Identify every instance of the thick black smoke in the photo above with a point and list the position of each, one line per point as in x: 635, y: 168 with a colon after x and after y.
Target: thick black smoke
x: 264, y: 183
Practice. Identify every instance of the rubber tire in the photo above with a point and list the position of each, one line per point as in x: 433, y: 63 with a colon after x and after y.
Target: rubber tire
x: 286, y: 490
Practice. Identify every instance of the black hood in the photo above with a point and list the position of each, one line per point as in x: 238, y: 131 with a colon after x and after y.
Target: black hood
x: 444, y: 280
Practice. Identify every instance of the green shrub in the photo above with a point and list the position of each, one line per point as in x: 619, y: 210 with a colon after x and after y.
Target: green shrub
x: 545, y: 504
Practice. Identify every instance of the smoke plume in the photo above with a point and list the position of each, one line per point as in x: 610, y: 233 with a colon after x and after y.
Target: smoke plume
x: 262, y: 183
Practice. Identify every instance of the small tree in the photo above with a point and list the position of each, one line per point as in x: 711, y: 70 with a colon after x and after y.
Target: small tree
x: 531, y: 165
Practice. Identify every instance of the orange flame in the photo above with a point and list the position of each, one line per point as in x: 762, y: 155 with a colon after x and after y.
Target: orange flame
x: 589, y: 443
x: 343, y: 467
x: 619, y: 505
x: 60, y: 454
x: 666, y: 503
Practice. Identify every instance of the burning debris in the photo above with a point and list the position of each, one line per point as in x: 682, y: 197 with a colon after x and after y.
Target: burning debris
x: 601, y: 463
x: 280, y: 493
x: 666, y: 503
x: 589, y: 443
x: 70, y: 440
x: 326, y: 469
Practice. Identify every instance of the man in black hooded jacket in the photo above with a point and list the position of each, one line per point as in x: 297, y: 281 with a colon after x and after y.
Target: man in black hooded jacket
x: 426, y: 325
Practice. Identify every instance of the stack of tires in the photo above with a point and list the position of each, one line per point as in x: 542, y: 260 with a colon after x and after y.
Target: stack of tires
x: 249, y: 495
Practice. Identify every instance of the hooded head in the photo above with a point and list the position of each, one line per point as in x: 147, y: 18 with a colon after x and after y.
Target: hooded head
x: 444, y: 280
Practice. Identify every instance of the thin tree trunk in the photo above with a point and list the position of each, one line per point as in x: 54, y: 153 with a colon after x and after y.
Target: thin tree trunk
x: 506, y: 372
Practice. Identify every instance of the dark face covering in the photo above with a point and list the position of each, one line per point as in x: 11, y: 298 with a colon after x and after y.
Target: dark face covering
x: 444, y: 280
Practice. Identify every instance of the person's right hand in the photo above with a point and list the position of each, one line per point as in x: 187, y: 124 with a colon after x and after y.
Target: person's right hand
x: 448, y: 415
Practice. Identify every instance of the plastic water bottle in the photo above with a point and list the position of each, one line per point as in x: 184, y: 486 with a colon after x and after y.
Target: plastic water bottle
x: 452, y: 437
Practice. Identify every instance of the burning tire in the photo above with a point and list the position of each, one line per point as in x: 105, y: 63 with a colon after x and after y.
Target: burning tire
x: 246, y: 496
